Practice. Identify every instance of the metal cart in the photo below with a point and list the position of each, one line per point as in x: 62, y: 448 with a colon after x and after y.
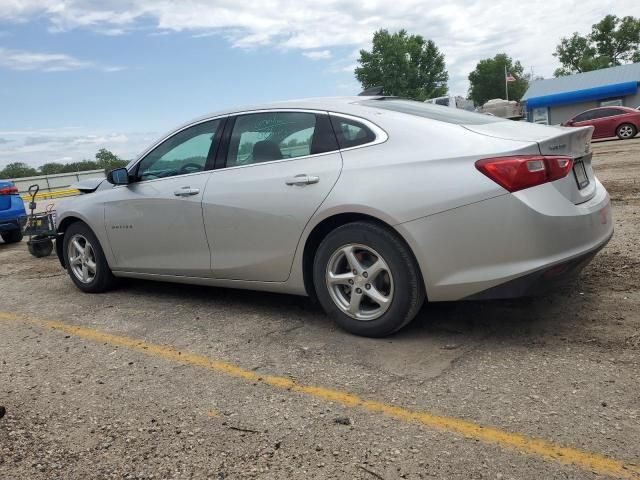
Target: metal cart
x: 40, y: 227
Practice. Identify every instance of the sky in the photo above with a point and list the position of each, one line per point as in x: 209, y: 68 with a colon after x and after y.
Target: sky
x: 80, y: 75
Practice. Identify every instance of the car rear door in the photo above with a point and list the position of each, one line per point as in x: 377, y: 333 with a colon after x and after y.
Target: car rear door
x: 608, y: 121
x: 276, y: 168
x: 154, y: 224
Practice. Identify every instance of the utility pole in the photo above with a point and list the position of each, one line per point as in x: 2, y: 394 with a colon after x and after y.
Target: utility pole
x: 506, y: 84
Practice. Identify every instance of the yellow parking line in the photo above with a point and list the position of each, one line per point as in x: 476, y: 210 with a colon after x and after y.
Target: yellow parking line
x: 593, y: 462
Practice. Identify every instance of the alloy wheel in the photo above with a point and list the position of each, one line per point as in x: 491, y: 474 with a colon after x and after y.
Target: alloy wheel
x: 360, y: 282
x: 82, y: 258
x: 626, y: 131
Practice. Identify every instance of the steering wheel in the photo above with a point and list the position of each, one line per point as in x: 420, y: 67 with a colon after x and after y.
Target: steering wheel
x: 190, y: 168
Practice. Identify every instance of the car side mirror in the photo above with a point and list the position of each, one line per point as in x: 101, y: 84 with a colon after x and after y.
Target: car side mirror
x: 118, y: 176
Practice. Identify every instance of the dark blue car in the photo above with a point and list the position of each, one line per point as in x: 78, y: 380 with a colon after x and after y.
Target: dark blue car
x: 12, y: 212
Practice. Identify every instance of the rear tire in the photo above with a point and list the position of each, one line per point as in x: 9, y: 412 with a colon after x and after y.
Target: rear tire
x: 85, y: 260
x: 12, y: 236
x: 626, y: 131
x: 366, y: 278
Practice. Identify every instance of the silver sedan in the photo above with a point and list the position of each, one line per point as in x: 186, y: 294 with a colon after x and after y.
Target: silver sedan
x: 368, y: 204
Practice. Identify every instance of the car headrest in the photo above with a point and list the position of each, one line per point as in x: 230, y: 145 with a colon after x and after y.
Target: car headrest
x: 265, y: 150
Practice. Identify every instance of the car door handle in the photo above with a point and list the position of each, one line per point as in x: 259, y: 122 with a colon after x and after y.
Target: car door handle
x: 302, y: 179
x: 186, y: 192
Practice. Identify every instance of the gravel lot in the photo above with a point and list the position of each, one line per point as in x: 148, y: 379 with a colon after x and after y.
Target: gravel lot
x: 563, y: 368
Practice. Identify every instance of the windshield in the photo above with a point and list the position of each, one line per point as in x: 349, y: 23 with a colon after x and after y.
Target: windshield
x: 434, y: 112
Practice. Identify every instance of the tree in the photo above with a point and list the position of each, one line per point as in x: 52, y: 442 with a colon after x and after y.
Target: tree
x: 404, y: 65
x: 18, y: 170
x: 51, y: 168
x: 487, y: 81
x: 108, y: 160
x: 612, y: 41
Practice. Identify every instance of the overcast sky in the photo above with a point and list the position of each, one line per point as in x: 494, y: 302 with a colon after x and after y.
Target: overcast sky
x: 79, y: 75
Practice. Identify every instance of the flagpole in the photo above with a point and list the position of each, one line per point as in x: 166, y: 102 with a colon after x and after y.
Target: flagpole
x: 506, y: 84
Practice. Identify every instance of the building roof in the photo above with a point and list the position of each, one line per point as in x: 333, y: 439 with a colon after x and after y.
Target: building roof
x: 584, y: 81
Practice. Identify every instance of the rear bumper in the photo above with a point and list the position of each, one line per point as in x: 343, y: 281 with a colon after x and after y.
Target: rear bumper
x: 542, y: 281
x: 15, y: 216
x: 12, y: 224
x: 508, y: 245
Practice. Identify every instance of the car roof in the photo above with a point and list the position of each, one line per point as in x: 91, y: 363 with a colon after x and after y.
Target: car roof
x: 344, y: 105
x: 337, y: 104
x: 628, y: 109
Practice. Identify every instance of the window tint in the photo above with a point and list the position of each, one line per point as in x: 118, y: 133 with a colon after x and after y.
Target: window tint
x: 351, y: 133
x: 583, y: 117
x: 610, y: 112
x: 264, y: 137
x: 434, y: 112
x: 602, y: 113
x: 185, y: 152
x: 443, y: 101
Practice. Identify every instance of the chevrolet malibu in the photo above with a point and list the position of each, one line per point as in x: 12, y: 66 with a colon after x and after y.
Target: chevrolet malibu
x: 368, y: 204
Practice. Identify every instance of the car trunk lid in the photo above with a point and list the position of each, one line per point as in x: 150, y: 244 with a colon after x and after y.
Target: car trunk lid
x: 579, y: 186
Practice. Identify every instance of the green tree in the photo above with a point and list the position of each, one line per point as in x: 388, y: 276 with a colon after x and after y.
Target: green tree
x: 612, y: 41
x: 108, y: 160
x: 80, y: 166
x: 404, y: 65
x: 51, y: 168
x: 487, y: 81
x: 18, y: 170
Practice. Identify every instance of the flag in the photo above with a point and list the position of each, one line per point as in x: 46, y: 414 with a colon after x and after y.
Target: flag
x: 509, y: 78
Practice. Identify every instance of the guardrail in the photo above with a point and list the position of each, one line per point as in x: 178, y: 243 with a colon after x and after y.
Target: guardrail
x: 56, y: 182
x: 55, y: 194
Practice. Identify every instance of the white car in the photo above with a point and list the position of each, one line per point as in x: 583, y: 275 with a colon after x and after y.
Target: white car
x: 370, y: 204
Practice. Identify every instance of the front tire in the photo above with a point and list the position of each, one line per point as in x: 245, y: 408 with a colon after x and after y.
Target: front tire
x: 12, y: 236
x: 85, y: 260
x: 626, y: 131
x: 366, y: 278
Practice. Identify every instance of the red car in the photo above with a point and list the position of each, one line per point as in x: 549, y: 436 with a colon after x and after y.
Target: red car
x: 623, y: 122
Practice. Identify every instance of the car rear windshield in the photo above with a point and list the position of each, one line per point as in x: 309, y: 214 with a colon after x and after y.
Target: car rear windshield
x: 434, y: 112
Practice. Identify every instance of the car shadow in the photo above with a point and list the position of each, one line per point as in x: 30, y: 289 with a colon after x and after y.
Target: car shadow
x: 518, y: 320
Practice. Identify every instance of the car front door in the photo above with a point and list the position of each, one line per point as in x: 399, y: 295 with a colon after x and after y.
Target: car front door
x: 586, y: 119
x: 279, y: 166
x: 154, y: 223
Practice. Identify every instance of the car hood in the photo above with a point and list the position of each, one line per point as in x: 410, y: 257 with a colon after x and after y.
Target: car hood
x: 89, y: 185
x: 574, y: 141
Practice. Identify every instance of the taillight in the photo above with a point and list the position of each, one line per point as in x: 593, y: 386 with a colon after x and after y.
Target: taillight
x: 11, y: 190
x: 525, y: 171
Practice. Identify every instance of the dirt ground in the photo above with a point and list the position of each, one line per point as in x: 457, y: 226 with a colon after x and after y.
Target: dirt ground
x: 562, y: 368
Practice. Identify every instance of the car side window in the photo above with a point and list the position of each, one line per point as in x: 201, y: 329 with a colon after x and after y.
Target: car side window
x: 351, y: 133
x: 185, y: 152
x: 611, y: 112
x: 582, y: 117
x: 268, y: 136
x: 606, y: 112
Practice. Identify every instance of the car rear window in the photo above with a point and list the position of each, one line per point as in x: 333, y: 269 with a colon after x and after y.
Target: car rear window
x: 351, y: 133
x: 434, y: 112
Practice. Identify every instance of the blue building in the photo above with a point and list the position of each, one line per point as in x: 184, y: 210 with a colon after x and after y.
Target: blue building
x: 554, y: 100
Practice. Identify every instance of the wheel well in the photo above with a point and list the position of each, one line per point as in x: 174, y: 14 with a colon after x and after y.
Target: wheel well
x: 323, y: 229
x: 59, y: 240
